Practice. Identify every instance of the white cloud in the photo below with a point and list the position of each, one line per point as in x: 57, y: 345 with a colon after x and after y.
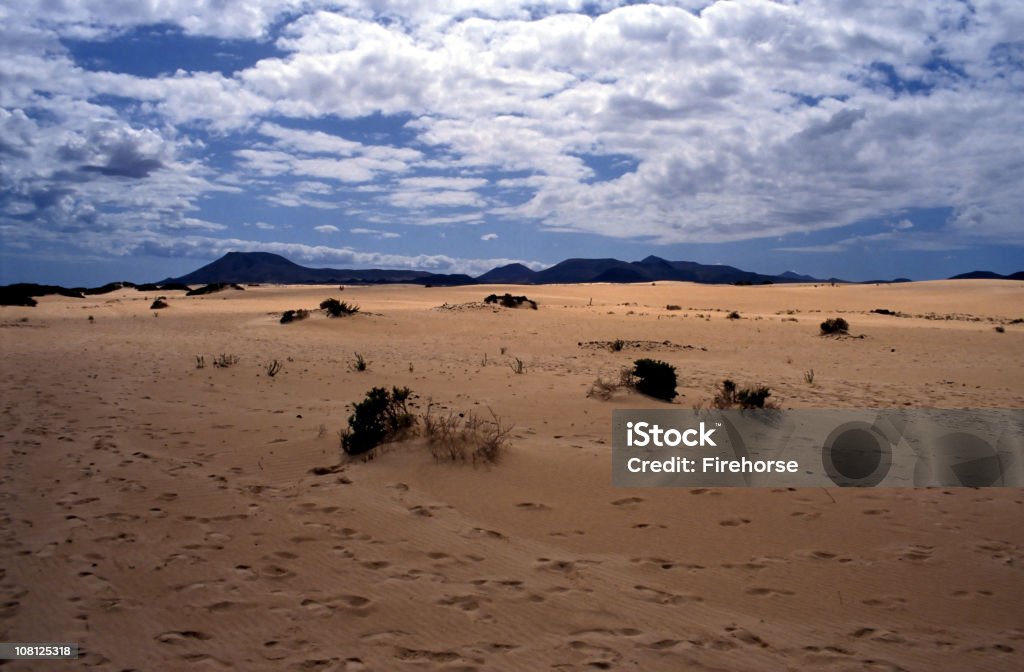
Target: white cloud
x: 489, y: 236
x: 326, y: 228
x: 375, y: 233
x: 737, y: 119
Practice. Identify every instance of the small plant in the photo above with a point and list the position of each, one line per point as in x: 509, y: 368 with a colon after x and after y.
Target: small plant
x: 273, y: 368
x: 200, y: 362
x: 1000, y: 329
x: 733, y: 315
x: 835, y: 326
x: 655, y: 379
x: 465, y: 437
x: 617, y: 345
x: 411, y: 367
x: 159, y: 303
x: 809, y: 376
x: 335, y: 308
x: 504, y: 349
x: 360, y: 364
x: 294, y: 315
x: 605, y: 389
x: 673, y: 306
x: 753, y: 397
x: 224, y: 361
x: 92, y: 319
x: 517, y: 365
x: 380, y: 417
x: 483, y: 360
x: 509, y: 301
x: 730, y: 395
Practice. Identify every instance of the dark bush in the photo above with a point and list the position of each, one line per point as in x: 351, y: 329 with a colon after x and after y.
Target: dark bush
x: 753, y: 397
x: 159, y: 303
x: 747, y: 398
x: 835, y: 326
x: 294, y: 315
x: 655, y: 378
x: 337, y: 308
x: 378, y: 418
x: 509, y: 301
x: 733, y: 315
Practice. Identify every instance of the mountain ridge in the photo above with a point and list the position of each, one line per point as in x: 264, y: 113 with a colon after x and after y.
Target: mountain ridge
x: 267, y: 267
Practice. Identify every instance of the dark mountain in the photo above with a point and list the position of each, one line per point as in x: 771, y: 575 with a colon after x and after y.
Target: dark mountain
x: 264, y: 267
x: 988, y: 275
x: 577, y: 270
x: 512, y: 274
x: 273, y: 268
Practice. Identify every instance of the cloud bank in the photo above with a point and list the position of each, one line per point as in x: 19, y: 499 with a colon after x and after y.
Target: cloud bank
x: 665, y: 122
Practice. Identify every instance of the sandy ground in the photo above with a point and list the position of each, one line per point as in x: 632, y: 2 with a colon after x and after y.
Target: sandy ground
x: 165, y: 517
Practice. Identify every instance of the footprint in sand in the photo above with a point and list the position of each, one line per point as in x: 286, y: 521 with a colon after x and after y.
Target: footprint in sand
x: 181, y: 636
x: 769, y: 592
x: 627, y: 501
x: 532, y: 506
x: 656, y: 596
x: 916, y: 553
x: 734, y: 522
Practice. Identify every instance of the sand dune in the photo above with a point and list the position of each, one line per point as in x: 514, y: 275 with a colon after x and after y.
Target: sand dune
x: 166, y: 517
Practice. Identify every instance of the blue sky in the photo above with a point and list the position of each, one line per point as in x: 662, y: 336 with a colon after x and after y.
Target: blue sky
x: 142, y: 140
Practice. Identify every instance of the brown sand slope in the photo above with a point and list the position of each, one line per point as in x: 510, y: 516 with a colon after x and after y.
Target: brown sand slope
x: 165, y: 517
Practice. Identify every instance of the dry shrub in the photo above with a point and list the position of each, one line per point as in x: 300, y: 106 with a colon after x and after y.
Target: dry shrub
x: 605, y: 389
x: 465, y: 437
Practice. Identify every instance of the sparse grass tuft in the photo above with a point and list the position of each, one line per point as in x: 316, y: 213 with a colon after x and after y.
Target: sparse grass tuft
x: 200, y: 362
x: 809, y: 376
x: 465, y: 437
x: 733, y: 315
x: 617, y: 345
x: 673, y: 306
x: 272, y: 368
x: 518, y: 366
x: 605, y: 389
x: 359, y: 363
x: 224, y: 361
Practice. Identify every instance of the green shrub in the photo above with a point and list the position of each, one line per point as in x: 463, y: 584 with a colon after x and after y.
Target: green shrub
x: 382, y: 416
x: 337, y: 308
x: 655, y: 378
x: 835, y: 325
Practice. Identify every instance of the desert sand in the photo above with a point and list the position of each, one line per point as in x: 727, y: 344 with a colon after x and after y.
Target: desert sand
x: 165, y: 517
